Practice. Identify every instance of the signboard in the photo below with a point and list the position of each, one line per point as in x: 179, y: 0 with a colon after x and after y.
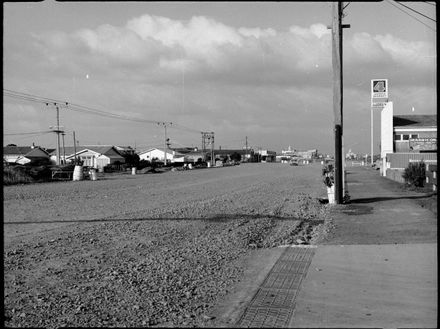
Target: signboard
x: 379, y: 105
x: 423, y: 144
x: 379, y: 88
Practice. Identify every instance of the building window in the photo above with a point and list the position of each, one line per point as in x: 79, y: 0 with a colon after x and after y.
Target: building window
x: 405, y: 137
x: 397, y: 137
x: 414, y: 135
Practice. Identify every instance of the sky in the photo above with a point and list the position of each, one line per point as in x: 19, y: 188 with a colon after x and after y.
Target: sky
x: 255, y: 70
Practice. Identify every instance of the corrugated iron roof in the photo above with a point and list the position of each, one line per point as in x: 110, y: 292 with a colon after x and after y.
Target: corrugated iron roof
x: 22, y: 150
x: 415, y: 120
x: 101, y: 149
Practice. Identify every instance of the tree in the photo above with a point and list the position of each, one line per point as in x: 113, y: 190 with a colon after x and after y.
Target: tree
x: 131, y: 160
x: 236, y: 156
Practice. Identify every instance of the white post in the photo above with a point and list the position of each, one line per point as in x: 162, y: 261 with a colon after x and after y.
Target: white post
x: 372, y: 135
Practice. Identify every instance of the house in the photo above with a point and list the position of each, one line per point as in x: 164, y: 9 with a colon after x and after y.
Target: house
x: 415, y: 133
x: 24, y: 154
x: 228, y: 153
x: 196, y: 156
x: 97, y: 156
x: 309, y: 154
x: 159, y: 155
x: 267, y: 156
x: 125, y: 150
x: 405, y: 139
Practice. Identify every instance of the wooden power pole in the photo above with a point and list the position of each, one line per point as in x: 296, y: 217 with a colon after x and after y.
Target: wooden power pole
x: 337, y: 96
x: 165, y: 124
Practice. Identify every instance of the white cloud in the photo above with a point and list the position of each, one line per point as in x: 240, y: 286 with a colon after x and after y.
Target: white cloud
x: 161, y: 68
x: 257, y: 32
x: 315, y: 30
x: 364, y: 48
x: 200, y: 37
x: 116, y: 43
x: 419, y: 54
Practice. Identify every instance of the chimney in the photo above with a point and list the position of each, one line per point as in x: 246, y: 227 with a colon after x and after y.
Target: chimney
x: 33, y: 146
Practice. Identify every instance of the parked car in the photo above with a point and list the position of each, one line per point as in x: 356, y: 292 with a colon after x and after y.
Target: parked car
x: 293, y: 162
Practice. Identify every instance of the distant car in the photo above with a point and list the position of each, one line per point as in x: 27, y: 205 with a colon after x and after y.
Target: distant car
x: 293, y: 163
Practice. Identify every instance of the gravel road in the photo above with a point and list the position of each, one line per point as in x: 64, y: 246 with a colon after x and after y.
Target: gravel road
x: 151, y: 249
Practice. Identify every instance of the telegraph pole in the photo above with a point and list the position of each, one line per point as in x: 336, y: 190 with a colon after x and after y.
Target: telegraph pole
x: 74, y: 147
x: 57, y: 129
x: 210, y: 137
x: 337, y: 11
x: 165, y: 124
x: 246, y: 149
x: 64, y: 149
x: 58, y: 135
x: 212, y: 149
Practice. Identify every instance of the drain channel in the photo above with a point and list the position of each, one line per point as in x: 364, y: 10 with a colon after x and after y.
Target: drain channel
x: 274, y: 302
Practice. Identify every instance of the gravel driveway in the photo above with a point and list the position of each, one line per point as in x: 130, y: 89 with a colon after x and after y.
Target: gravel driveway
x: 151, y: 249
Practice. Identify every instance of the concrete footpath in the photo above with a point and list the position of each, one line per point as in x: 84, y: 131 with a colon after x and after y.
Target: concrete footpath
x: 377, y: 268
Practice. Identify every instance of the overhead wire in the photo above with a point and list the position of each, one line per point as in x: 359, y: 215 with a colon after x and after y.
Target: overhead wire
x: 30, y: 133
x: 388, y: 1
x: 83, y: 109
x: 416, y: 11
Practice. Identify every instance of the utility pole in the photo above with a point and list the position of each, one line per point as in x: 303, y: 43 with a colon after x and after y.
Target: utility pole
x: 74, y: 147
x: 165, y: 125
x: 64, y: 149
x: 210, y: 137
x: 246, y: 149
x: 57, y: 130
x: 337, y: 11
x: 58, y: 135
x: 212, y: 149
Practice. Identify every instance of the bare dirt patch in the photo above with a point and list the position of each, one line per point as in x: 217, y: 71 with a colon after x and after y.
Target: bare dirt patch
x: 148, y: 250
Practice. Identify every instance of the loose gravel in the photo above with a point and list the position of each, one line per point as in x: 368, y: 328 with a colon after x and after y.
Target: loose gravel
x: 158, y: 251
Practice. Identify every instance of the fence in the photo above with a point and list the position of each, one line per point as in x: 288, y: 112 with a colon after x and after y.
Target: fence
x: 431, y: 176
x: 401, y: 160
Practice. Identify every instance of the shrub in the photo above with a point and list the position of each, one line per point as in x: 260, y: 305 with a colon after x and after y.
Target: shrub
x: 415, y: 174
x: 328, y: 175
x: 15, y: 175
x: 143, y: 164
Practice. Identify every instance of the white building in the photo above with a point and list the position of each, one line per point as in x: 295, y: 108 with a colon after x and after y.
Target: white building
x: 159, y: 155
x: 96, y: 156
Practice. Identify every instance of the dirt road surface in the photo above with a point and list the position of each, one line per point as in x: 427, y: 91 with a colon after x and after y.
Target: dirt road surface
x: 152, y: 249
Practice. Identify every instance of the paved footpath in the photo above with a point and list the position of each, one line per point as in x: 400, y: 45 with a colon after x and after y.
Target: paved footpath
x: 377, y: 269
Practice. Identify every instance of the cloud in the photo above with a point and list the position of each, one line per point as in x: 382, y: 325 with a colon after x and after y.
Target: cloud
x: 158, y: 49
x: 256, y: 32
x: 416, y: 54
x: 199, y: 38
x: 209, y: 75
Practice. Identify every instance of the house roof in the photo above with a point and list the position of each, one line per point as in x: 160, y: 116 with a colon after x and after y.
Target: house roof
x: 184, y: 150
x: 155, y: 148
x: 27, y: 151
x: 13, y: 150
x: 226, y: 151
x: 107, y: 150
x: 425, y: 120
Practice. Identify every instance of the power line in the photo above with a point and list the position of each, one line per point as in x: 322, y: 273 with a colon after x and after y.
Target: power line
x: 432, y: 4
x: 82, y: 108
x: 410, y: 15
x: 30, y: 133
x: 416, y: 11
